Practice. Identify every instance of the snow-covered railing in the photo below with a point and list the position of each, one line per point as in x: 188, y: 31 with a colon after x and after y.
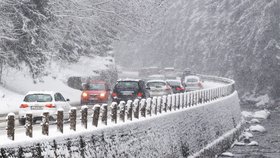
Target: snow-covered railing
x: 131, y: 110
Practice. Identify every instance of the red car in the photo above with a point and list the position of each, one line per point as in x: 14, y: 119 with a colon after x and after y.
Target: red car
x: 95, y: 92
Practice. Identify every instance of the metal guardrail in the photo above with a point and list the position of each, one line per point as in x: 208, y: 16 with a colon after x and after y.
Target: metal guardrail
x: 131, y: 110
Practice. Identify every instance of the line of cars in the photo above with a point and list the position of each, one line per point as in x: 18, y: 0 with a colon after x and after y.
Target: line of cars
x: 98, y: 91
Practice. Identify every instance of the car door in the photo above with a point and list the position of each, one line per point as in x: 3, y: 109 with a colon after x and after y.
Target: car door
x: 60, y: 102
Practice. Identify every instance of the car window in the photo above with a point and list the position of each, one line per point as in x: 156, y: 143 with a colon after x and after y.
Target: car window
x: 58, y: 97
x: 174, y: 83
x: 192, y: 80
x: 156, y: 84
x: 95, y: 86
x: 127, y: 85
x: 38, y: 98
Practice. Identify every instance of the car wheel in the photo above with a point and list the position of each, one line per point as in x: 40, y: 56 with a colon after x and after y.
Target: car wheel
x: 21, y: 121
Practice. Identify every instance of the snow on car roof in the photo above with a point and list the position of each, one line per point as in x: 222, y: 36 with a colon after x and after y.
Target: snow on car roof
x: 40, y: 92
x: 129, y: 79
x: 193, y: 77
x: 155, y: 81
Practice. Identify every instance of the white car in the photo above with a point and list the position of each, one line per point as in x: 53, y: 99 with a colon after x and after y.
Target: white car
x: 40, y: 101
x: 193, y: 83
x: 158, y: 88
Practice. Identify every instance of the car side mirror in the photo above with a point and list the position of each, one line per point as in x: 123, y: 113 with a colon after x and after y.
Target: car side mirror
x: 67, y: 99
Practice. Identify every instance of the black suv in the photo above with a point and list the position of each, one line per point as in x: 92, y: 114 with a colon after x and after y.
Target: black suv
x: 129, y: 89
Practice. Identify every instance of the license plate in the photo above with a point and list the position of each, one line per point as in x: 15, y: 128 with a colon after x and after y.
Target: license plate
x: 127, y: 92
x: 36, y: 108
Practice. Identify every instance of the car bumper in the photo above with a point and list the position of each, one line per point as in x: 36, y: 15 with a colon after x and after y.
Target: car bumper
x: 37, y: 114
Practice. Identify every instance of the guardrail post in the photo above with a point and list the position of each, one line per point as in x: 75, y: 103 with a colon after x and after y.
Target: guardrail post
x: 177, y: 99
x: 159, y: 104
x: 129, y: 110
x: 199, y: 97
x: 181, y: 105
x: 196, y: 97
x: 73, y: 118
x: 143, y: 107
x: 136, y: 108
x: 59, y: 120
x: 169, y: 102
x: 84, y: 113
x: 164, y: 103
x: 154, y: 105
x: 45, y: 123
x: 11, y: 126
x: 173, y: 103
x: 28, y: 125
x: 122, y: 111
x: 95, y: 115
x: 114, y: 112
x: 149, y: 106
x: 185, y: 100
x: 104, y: 111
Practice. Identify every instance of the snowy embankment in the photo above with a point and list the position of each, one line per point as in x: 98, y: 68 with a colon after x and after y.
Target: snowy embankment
x: 173, y: 134
x: 18, y: 82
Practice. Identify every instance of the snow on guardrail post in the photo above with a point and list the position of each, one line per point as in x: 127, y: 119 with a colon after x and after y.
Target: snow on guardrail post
x: 164, y: 103
x: 200, y: 96
x: 143, y: 107
x: 28, y: 125
x: 59, y: 120
x: 129, y: 107
x: 159, y: 106
x: 169, y: 102
x: 104, y: 112
x: 84, y: 114
x: 95, y: 115
x: 184, y: 100
x: 11, y: 126
x: 173, y: 101
x: 114, y: 112
x: 45, y: 123
x: 177, y: 101
x: 122, y: 111
x: 192, y: 98
x: 136, y: 108
x: 181, y: 104
x: 196, y: 97
x: 149, y: 106
x: 73, y: 118
x: 154, y: 105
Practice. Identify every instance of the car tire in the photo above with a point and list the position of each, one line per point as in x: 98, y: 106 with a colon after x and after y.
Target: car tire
x: 21, y: 121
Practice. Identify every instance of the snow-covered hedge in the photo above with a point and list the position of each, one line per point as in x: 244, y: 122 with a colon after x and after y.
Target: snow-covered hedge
x: 178, y: 133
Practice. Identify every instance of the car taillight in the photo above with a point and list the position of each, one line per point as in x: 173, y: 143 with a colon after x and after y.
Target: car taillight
x: 139, y: 94
x: 102, y: 95
x: 23, y: 106
x: 114, y: 94
x: 50, y: 105
x: 84, y: 94
x: 179, y: 88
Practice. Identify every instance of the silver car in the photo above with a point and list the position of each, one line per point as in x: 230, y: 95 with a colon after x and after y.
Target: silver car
x: 193, y: 83
x: 158, y: 88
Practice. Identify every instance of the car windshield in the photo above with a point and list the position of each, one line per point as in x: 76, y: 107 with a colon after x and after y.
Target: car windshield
x: 38, y: 98
x: 192, y: 80
x: 174, y: 83
x: 95, y: 86
x: 127, y: 85
x: 156, y: 84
